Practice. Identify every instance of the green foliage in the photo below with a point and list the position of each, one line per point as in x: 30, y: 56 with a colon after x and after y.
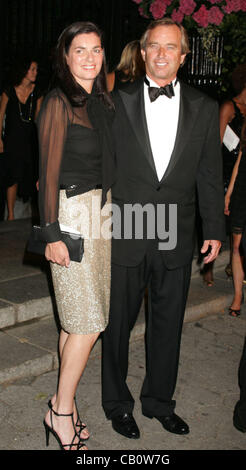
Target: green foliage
x: 234, y: 34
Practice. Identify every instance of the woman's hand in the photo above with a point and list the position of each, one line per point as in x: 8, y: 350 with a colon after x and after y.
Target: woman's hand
x: 57, y: 252
x: 227, y: 203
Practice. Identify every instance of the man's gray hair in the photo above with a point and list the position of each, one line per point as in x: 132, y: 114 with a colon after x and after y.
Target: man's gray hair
x: 185, y: 48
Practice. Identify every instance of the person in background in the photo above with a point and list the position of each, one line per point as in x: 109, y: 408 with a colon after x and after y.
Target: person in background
x: 232, y: 113
x: 76, y: 169
x: 235, y: 203
x: 238, y: 218
x: 130, y: 68
x: 20, y: 105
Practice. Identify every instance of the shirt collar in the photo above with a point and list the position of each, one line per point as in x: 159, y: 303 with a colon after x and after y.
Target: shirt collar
x: 154, y: 84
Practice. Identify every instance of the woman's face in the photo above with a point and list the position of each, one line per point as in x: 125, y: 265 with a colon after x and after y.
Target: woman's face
x: 85, y: 58
x: 32, y: 72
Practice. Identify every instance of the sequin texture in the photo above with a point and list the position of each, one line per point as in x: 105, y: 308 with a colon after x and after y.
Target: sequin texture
x: 82, y: 291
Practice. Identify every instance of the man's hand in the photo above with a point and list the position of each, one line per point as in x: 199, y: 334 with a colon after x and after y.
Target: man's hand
x: 215, y: 248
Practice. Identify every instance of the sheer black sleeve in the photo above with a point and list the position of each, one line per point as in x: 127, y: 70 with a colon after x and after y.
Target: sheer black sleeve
x: 52, y: 129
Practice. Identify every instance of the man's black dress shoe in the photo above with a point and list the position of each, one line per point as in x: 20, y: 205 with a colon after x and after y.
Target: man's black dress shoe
x: 238, y: 422
x: 172, y: 423
x: 126, y: 425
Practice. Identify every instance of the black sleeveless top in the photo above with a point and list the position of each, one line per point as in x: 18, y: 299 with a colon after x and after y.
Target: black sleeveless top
x: 229, y: 157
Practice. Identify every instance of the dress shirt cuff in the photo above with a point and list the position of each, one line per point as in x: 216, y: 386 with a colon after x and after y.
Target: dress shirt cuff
x: 51, y: 233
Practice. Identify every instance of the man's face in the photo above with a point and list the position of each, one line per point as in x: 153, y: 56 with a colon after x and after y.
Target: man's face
x: 162, y: 54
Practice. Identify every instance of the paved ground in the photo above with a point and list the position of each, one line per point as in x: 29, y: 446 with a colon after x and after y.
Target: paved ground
x: 206, y: 394
x: 207, y: 388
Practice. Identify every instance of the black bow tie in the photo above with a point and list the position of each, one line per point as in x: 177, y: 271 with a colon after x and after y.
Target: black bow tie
x: 154, y: 92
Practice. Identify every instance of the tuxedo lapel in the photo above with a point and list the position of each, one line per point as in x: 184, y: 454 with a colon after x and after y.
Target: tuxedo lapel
x: 133, y: 100
x: 188, y: 115
x: 134, y: 106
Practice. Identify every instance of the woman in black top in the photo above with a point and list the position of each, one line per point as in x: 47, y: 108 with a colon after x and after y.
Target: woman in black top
x: 76, y: 174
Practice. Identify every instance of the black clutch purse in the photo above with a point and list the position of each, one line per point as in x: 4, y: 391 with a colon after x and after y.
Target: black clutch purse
x: 74, y: 242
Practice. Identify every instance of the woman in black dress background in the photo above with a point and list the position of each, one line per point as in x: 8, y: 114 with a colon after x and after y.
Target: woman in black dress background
x: 232, y: 113
x: 19, y: 108
x: 235, y: 207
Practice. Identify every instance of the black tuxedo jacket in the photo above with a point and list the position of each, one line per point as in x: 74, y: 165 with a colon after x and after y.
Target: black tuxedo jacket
x: 195, y: 168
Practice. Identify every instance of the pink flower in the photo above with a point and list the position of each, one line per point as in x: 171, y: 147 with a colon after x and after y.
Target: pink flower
x: 201, y: 16
x: 237, y: 5
x: 137, y: 1
x: 158, y: 9
x: 232, y: 6
x: 212, y: 1
x: 243, y: 5
x: 177, y: 15
x: 215, y: 16
x: 187, y: 6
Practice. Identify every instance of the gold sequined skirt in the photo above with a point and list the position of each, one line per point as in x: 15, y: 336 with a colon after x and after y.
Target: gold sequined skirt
x: 82, y: 291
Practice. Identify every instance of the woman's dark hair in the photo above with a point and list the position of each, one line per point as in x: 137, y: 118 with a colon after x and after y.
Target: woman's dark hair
x: 64, y: 78
x: 21, y: 68
x: 238, y: 78
x: 243, y: 135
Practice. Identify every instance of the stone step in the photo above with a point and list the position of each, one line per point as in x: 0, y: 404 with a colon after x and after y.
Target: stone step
x: 30, y: 349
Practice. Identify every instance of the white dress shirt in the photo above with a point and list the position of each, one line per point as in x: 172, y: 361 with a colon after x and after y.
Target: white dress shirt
x: 162, y: 121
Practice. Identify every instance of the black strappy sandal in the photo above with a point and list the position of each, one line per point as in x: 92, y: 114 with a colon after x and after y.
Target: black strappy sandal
x: 78, y: 425
x: 234, y: 313
x: 78, y: 445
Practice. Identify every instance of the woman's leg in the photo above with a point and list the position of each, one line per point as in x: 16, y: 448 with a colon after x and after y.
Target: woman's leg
x: 11, y: 198
x: 62, y: 341
x: 75, y: 353
x: 237, y: 271
x: 84, y: 434
x: 228, y: 268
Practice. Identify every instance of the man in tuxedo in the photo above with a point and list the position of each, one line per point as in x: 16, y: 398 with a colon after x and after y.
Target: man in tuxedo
x: 167, y: 147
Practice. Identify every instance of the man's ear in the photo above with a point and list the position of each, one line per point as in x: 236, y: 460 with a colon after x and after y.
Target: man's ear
x: 183, y: 56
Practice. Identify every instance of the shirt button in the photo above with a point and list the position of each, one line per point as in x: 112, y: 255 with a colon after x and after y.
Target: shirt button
x: 158, y: 188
